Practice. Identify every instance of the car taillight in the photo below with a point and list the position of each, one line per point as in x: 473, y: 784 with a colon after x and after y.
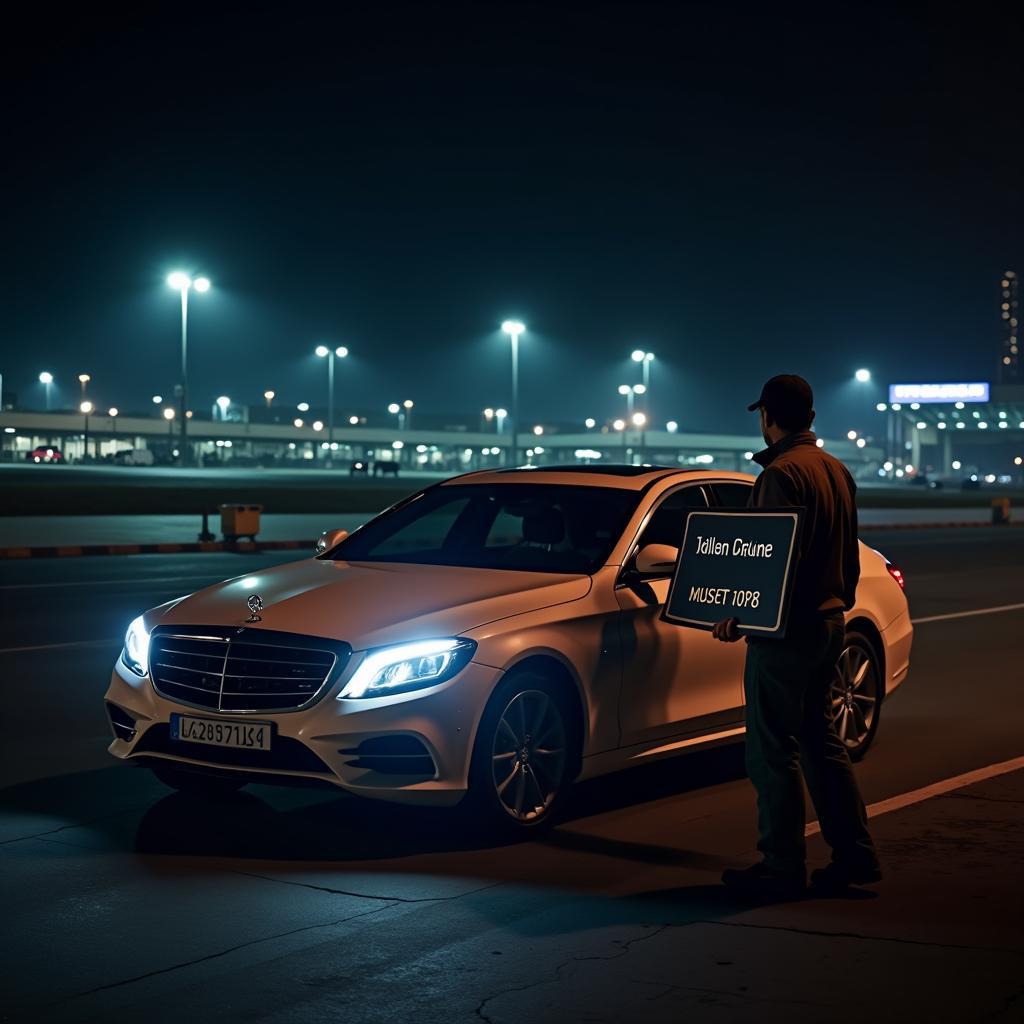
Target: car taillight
x: 897, y: 574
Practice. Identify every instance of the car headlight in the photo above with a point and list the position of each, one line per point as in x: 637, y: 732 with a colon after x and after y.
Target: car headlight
x: 136, y: 647
x: 410, y: 666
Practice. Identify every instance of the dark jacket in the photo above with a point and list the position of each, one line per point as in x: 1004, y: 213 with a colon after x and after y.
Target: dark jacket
x: 798, y: 473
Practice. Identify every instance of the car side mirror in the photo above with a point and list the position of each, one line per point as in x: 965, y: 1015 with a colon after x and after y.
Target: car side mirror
x: 330, y: 539
x: 657, y: 560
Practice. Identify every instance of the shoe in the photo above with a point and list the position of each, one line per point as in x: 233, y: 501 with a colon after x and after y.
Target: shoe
x: 841, y: 876
x: 760, y: 882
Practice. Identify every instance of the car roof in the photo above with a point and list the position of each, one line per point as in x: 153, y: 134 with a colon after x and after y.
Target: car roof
x: 621, y: 477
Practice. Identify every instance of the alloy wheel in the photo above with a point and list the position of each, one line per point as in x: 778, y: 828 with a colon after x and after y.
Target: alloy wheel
x: 854, y: 696
x: 528, y: 757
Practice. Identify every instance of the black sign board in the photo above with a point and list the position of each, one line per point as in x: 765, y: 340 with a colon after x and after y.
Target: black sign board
x: 735, y: 563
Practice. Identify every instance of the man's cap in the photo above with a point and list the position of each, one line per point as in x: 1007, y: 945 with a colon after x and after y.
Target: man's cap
x: 787, y: 396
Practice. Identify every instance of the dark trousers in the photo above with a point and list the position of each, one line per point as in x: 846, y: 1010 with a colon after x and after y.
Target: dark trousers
x: 787, y: 686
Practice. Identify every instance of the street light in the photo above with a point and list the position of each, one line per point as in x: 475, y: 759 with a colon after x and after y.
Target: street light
x: 83, y: 379
x: 329, y: 354
x: 223, y: 403
x: 407, y: 417
x: 46, y: 379
x: 183, y: 283
x: 500, y: 415
x: 590, y: 423
x: 862, y: 376
x: 112, y: 413
x: 630, y: 391
x: 85, y: 408
x: 644, y: 359
x: 513, y: 328
x: 269, y: 396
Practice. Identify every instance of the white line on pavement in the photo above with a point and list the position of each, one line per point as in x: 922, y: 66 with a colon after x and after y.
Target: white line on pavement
x: 916, y: 796
x: 106, y: 583
x: 52, y: 647
x: 964, y: 615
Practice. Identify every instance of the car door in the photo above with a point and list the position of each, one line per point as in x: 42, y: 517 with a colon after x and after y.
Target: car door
x: 676, y: 680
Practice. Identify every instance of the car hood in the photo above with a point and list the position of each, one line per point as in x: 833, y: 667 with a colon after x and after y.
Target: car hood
x: 369, y: 604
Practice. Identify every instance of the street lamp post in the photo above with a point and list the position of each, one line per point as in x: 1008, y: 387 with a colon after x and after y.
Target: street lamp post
x: 85, y: 408
x: 112, y: 413
x: 640, y: 420
x: 182, y: 283
x: 513, y: 328
x: 269, y: 396
x: 645, y: 359
x: 407, y: 417
x: 329, y: 354
x: 46, y: 379
x: 169, y: 416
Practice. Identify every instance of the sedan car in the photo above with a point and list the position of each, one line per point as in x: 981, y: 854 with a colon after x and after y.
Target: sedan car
x: 45, y: 454
x: 495, y: 636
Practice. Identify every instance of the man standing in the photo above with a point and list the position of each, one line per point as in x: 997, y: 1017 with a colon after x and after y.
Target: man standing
x: 787, y: 681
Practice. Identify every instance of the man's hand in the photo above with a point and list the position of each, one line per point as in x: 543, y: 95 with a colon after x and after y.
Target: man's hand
x: 726, y: 631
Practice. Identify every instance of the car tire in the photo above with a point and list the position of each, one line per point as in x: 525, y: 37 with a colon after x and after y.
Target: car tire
x: 524, y: 757
x: 857, y: 693
x: 212, y: 787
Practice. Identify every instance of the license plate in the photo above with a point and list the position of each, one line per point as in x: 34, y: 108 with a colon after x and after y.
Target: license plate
x: 240, y: 735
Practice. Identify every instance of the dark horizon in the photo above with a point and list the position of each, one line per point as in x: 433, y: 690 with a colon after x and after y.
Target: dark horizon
x: 741, y: 193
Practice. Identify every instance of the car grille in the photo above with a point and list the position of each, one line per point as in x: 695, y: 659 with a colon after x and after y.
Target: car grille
x: 243, y: 669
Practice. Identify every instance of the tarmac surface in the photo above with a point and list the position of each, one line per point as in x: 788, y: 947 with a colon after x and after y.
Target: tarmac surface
x: 32, y: 531
x: 122, y: 898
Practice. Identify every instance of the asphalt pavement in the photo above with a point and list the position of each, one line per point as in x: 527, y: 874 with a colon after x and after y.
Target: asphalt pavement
x: 289, y: 905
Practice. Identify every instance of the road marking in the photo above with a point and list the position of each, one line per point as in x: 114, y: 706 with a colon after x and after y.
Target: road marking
x: 106, y: 583
x: 52, y: 647
x: 964, y: 615
x: 916, y: 796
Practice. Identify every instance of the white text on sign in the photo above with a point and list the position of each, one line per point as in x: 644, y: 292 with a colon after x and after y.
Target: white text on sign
x: 720, y: 595
x: 740, y: 548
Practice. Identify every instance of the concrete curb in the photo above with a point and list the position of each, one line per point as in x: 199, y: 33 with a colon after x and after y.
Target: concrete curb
x: 78, y: 550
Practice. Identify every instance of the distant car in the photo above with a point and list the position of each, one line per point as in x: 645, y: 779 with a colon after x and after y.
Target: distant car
x: 134, y: 457
x: 498, y: 635
x: 359, y: 466
x: 385, y: 469
x: 44, y: 454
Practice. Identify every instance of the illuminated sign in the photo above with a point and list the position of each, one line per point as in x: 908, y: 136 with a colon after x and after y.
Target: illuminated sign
x: 977, y: 392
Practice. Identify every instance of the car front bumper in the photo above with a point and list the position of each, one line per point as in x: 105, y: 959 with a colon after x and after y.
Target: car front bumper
x: 411, y: 747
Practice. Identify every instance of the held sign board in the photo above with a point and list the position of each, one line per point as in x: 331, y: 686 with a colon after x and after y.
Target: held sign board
x: 735, y: 564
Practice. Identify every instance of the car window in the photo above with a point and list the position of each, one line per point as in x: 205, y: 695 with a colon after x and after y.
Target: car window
x: 732, y: 494
x: 428, y: 531
x: 531, y: 527
x: 669, y: 519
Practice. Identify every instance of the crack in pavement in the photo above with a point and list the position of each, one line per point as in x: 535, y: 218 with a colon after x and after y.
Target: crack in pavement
x: 364, y: 895
x: 77, y: 824
x: 864, y: 938
x: 623, y: 949
x: 215, y: 956
x: 749, y: 997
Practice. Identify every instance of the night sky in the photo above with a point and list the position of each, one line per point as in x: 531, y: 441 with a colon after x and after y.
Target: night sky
x: 742, y: 190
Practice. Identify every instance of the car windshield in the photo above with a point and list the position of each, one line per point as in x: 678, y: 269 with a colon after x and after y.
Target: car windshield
x: 529, y: 527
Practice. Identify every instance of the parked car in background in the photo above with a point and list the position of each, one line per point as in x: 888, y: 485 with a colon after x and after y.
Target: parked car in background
x: 44, y: 453
x: 134, y: 457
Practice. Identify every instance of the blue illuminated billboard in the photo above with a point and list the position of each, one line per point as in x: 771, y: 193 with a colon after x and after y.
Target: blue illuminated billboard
x: 924, y: 393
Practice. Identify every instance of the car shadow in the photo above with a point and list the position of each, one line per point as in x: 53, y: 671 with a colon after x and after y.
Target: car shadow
x: 258, y: 823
